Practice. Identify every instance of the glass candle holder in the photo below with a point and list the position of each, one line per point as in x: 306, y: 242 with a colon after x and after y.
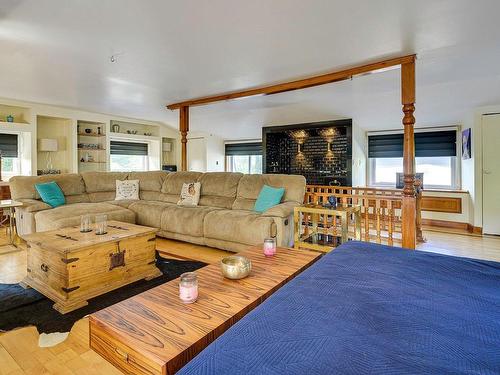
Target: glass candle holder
x: 85, y: 224
x: 269, y: 247
x: 101, y: 224
x: 188, y: 287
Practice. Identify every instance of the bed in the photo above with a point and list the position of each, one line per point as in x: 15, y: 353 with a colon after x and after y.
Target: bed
x: 367, y: 308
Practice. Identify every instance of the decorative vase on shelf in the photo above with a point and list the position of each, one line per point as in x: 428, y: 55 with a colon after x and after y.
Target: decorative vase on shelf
x: 10, y: 118
x: 116, y: 128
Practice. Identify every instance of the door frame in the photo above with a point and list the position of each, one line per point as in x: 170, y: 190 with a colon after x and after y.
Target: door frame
x: 481, y: 143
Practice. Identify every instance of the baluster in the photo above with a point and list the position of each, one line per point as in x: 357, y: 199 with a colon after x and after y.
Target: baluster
x: 367, y: 219
x: 325, y: 225
x: 377, y: 210
x: 390, y: 228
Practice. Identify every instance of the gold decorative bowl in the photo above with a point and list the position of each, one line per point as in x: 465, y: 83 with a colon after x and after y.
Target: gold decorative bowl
x: 235, y: 267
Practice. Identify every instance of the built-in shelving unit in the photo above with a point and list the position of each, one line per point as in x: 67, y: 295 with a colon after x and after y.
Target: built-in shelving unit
x: 19, y: 115
x: 134, y: 130
x: 56, y: 134
x: 57, y: 138
x: 91, y: 146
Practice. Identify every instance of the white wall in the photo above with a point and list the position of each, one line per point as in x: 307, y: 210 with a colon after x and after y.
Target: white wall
x: 215, y: 153
x: 468, y: 170
x: 472, y: 169
x: 210, y: 148
x: 359, y: 156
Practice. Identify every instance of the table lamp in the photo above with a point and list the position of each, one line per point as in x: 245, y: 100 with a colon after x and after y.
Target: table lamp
x: 48, y: 145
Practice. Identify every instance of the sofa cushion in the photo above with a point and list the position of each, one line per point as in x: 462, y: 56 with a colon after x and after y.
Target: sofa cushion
x: 33, y: 205
x: 149, y: 213
x: 267, y: 198
x: 102, y: 181
x: 51, y: 193
x: 69, y: 215
x: 149, y: 181
x: 239, y: 226
x: 127, y: 189
x: 24, y: 186
x: 172, y: 185
x: 250, y: 186
x: 218, y: 189
x: 185, y: 219
x: 125, y: 203
x: 102, y: 196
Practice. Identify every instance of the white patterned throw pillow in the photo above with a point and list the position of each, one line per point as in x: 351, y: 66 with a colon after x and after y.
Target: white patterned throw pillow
x: 127, y: 189
x: 190, y: 194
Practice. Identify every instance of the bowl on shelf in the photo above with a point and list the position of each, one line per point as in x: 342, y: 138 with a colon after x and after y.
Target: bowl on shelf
x: 88, y: 131
x: 235, y: 267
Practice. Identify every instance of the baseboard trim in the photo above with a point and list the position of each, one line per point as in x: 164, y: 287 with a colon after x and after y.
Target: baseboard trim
x: 475, y: 230
x: 452, y: 225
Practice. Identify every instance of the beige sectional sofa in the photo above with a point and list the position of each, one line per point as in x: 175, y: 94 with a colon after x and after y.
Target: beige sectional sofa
x: 223, y: 219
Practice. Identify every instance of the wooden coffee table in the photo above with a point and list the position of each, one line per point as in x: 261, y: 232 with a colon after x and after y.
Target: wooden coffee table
x: 70, y: 267
x: 155, y: 333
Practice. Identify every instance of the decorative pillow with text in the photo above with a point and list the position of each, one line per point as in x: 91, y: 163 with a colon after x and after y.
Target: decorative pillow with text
x: 190, y: 194
x: 127, y: 189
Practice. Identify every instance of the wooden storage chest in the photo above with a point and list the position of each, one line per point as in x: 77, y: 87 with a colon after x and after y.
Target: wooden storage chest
x: 70, y: 267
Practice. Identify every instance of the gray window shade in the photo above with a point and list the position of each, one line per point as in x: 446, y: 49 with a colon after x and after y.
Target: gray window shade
x: 252, y: 148
x: 8, y: 145
x: 427, y: 144
x: 128, y: 148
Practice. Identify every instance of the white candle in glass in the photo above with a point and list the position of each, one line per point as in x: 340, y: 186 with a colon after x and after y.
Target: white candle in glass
x: 188, y: 287
x: 269, y: 247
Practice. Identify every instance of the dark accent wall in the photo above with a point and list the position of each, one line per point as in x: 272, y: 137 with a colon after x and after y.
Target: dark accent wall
x: 315, y: 163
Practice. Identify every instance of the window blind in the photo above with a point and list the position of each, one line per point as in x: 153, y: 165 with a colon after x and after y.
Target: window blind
x: 427, y: 144
x: 252, y: 148
x: 8, y: 145
x: 128, y: 148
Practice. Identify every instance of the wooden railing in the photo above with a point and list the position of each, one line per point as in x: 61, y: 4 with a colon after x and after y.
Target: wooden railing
x: 380, y: 209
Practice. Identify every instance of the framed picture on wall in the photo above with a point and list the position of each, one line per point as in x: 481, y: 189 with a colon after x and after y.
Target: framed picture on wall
x: 466, y: 144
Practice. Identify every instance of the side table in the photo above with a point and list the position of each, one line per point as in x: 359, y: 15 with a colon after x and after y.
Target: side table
x: 317, y: 226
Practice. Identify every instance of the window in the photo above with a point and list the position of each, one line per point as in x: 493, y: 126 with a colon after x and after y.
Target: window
x: 11, y: 164
x: 435, y: 157
x: 244, y: 157
x: 128, y: 156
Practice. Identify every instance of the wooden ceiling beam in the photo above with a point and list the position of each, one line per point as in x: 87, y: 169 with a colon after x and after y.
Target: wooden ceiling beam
x: 301, y: 83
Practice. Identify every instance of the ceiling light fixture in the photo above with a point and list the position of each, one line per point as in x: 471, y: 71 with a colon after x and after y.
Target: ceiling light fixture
x: 114, y: 57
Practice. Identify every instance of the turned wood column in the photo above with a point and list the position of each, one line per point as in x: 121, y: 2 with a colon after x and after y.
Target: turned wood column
x: 409, y: 206
x: 184, y: 129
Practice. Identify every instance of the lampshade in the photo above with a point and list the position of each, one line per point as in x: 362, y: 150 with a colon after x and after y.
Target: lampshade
x: 167, y: 146
x: 47, y: 144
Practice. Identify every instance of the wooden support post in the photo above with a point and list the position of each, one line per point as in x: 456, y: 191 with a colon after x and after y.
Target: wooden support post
x: 184, y: 129
x: 409, y: 206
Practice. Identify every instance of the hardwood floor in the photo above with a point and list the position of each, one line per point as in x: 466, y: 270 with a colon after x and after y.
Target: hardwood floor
x: 19, y: 350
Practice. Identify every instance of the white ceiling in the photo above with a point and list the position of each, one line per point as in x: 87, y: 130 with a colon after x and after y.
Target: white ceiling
x: 58, y: 52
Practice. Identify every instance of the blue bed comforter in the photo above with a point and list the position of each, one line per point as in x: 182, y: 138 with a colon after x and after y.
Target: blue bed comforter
x: 367, y: 308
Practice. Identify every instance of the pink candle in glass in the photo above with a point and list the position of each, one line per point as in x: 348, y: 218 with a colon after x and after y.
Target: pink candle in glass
x: 188, y: 287
x: 269, y: 247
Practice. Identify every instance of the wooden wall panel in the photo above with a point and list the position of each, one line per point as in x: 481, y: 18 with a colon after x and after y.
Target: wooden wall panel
x: 449, y: 205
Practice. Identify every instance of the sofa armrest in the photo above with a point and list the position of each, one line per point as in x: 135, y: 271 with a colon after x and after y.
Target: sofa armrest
x: 282, y: 210
x: 33, y: 205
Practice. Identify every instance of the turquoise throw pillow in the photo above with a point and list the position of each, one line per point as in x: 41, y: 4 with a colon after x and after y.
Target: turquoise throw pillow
x: 268, y: 197
x: 51, y: 193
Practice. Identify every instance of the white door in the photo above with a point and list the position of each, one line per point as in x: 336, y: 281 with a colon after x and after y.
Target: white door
x: 491, y: 174
x: 196, y: 155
